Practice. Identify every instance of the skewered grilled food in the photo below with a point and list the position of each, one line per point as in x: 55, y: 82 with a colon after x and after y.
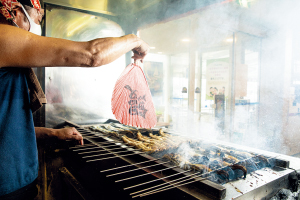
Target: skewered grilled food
x: 241, y: 167
x: 144, y: 139
x: 161, y: 133
x: 155, y: 136
x: 103, y: 130
x: 113, y: 128
x: 242, y: 155
x: 201, y: 156
x: 176, y: 139
x: 121, y: 126
x: 228, y: 158
x: 215, y: 164
x: 225, y: 163
x: 223, y: 173
x: 136, y: 144
x: 200, y: 167
x: 178, y: 160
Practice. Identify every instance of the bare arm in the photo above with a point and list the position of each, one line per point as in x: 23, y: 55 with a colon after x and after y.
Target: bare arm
x: 62, y: 134
x: 20, y: 48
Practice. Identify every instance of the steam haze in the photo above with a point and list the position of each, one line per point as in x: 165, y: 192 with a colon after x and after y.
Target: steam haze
x: 268, y: 32
x: 259, y: 39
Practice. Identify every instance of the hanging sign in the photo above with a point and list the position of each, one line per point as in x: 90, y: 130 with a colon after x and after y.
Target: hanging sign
x: 217, y: 78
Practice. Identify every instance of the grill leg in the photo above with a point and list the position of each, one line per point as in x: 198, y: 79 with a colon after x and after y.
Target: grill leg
x: 77, y: 191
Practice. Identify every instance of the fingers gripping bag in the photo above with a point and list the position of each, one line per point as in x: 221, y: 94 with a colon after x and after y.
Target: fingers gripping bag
x: 131, y: 99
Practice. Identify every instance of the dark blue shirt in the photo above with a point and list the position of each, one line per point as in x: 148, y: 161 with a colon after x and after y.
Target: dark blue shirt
x: 18, y: 149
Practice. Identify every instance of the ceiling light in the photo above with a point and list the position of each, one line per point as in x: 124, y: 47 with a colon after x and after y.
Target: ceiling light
x: 185, y: 40
x: 245, y: 3
x: 230, y: 40
x: 159, y: 52
x: 152, y: 47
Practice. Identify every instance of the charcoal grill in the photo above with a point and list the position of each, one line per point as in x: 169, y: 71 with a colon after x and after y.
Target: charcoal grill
x: 108, y: 167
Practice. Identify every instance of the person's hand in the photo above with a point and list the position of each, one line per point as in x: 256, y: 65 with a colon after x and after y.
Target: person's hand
x: 69, y: 134
x: 141, y: 51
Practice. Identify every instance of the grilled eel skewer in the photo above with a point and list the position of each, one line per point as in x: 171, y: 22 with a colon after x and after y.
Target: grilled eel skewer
x: 113, y: 128
x: 157, y: 146
x: 241, y: 167
x: 185, y: 164
x: 136, y: 144
x: 167, y: 140
x: 178, y: 160
x: 161, y: 133
x: 164, y: 141
x: 145, y: 146
x: 235, y: 153
x: 200, y: 167
x: 145, y: 139
x: 176, y: 139
x: 103, y: 130
x: 121, y: 126
x: 229, y: 158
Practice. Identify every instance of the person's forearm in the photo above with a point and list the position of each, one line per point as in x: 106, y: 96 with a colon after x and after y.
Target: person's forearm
x: 42, y: 132
x: 106, y: 50
x: 93, y: 53
x: 68, y: 133
x: 19, y: 48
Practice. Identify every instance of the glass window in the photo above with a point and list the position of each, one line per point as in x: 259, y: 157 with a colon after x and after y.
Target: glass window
x: 247, y: 67
x: 79, y: 94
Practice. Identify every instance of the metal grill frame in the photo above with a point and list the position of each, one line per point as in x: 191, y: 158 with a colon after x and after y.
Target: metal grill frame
x: 202, y: 189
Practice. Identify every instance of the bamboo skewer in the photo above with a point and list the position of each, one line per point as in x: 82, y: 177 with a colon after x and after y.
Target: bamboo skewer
x: 136, y: 169
x: 95, y: 143
x: 147, y: 173
x: 166, y: 183
x: 115, y: 157
x: 192, y: 176
x: 127, y: 165
x: 170, y: 186
x: 173, y: 186
x: 103, y: 150
x: 156, y: 180
x: 96, y: 147
x: 83, y: 146
x: 106, y: 154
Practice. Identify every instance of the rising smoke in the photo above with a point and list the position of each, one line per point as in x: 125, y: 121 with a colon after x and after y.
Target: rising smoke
x: 267, y: 29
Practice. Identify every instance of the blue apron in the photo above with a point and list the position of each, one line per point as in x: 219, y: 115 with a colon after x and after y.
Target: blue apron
x: 18, y: 149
